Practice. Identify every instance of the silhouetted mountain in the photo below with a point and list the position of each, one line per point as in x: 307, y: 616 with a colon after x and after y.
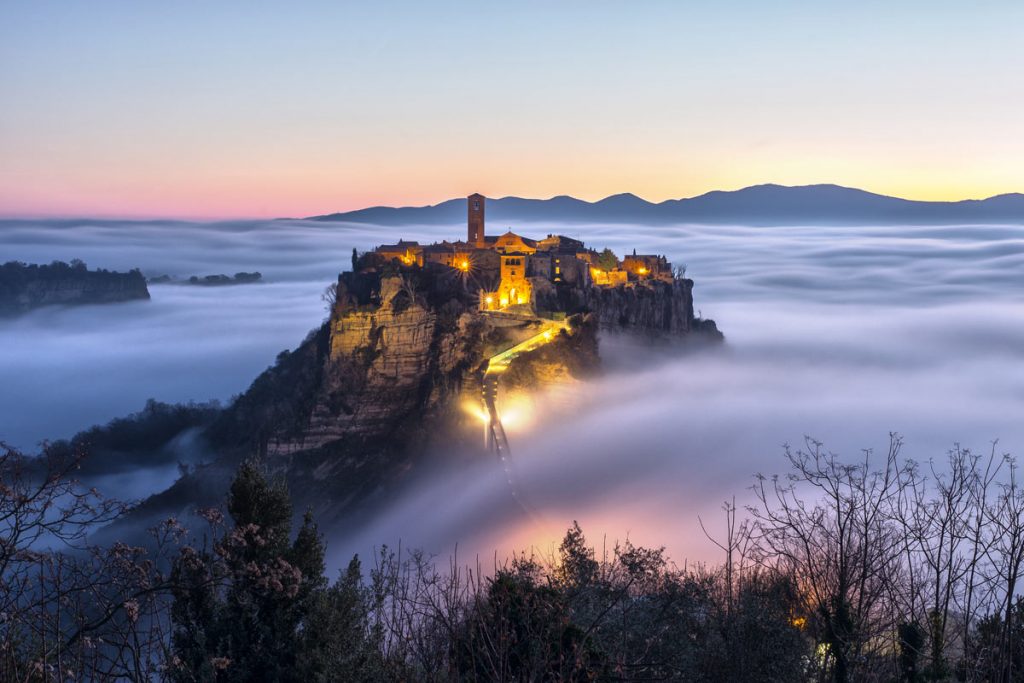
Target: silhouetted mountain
x: 756, y: 205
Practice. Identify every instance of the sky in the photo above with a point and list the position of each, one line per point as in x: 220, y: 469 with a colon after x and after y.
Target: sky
x: 264, y: 109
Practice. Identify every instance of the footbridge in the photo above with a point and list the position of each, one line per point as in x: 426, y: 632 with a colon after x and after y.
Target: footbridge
x: 495, y: 439
x: 497, y: 364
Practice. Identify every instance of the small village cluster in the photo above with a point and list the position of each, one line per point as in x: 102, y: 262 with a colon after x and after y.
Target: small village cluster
x: 515, y: 261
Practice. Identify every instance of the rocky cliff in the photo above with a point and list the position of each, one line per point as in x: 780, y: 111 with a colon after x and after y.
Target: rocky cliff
x: 383, y: 383
x: 25, y: 287
x: 648, y: 307
x: 391, y: 359
x: 401, y: 346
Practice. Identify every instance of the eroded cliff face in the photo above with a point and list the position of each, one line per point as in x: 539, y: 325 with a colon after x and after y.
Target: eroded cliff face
x: 384, y: 382
x: 390, y: 360
x: 45, y: 286
x: 403, y: 349
x: 649, y: 307
x: 653, y: 306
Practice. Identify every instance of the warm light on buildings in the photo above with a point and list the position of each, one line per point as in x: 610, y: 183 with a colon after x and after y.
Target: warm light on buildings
x: 642, y: 271
x: 489, y: 300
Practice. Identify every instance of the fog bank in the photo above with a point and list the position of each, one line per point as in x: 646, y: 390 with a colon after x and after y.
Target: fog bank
x: 844, y: 334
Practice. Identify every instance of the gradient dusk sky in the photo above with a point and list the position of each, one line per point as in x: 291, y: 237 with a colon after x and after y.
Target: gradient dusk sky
x: 262, y: 109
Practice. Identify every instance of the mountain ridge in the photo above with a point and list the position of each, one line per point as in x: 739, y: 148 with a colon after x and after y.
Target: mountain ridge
x: 765, y: 204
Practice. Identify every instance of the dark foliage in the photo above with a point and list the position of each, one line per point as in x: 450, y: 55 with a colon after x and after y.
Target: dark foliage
x: 844, y: 585
x: 278, y: 401
x: 607, y: 260
x: 238, y: 607
x: 142, y: 439
x: 238, y: 279
x: 26, y: 286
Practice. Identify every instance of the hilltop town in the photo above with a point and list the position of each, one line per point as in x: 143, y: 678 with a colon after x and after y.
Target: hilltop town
x: 516, y: 274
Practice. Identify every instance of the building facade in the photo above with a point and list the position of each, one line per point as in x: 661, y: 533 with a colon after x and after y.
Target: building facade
x: 514, y: 263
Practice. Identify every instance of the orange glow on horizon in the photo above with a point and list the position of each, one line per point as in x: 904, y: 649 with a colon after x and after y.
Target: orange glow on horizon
x: 307, y: 194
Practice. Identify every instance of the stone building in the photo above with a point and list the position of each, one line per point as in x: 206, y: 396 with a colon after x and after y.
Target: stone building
x: 647, y: 266
x: 511, y: 243
x: 506, y: 270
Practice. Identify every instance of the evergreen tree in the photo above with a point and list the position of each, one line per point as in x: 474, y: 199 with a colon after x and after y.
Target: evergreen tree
x: 334, y: 645
x: 607, y: 260
x: 238, y: 611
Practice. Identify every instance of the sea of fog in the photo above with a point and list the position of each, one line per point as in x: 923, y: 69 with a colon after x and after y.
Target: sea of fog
x: 844, y: 334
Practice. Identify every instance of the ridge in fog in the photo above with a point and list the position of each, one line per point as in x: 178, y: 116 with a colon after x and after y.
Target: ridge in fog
x: 756, y: 205
x: 844, y: 334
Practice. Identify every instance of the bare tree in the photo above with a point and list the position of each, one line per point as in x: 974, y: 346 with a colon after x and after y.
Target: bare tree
x: 70, y: 609
x: 330, y: 296
x: 840, y: 548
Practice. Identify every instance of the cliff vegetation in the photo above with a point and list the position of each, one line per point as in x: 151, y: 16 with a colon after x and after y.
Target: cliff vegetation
x: 24, y: 287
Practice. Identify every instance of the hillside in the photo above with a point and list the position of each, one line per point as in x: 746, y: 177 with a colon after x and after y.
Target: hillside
x: 756, y: 205
x: 24, y: 287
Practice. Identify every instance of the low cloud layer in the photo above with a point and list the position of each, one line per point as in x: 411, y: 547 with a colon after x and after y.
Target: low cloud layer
x: 844, y: 334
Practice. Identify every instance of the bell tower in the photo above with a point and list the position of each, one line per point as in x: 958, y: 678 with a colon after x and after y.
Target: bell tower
x: 475, y: 224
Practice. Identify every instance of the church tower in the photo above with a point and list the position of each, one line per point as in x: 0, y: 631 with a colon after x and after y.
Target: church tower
x: 476, y: 220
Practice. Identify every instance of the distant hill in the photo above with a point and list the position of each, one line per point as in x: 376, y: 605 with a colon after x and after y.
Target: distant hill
x: 756, y: 205
x: 24, y: 286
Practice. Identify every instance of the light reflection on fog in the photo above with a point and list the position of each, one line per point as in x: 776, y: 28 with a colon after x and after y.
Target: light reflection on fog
x: 841, y: 333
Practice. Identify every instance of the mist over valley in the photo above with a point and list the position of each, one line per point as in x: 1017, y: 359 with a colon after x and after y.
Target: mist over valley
x: 840, y: 333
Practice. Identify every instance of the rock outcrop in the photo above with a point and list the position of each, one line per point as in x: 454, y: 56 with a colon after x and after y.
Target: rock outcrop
x: 385, y: 381
x: 388, y: 362
x: 25, y: 287
x: 649, y: 307
x: 652, y: 306
x: 403, y: 345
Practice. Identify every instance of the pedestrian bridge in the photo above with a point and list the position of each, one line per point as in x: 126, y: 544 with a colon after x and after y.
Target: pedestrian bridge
x: 495, y: 439
x: 497, y: 364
